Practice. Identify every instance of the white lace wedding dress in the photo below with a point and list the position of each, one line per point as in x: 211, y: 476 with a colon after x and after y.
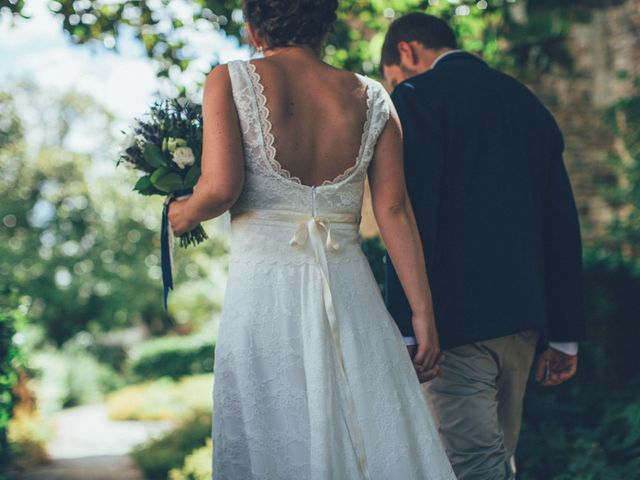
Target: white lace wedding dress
x: 312, y: 379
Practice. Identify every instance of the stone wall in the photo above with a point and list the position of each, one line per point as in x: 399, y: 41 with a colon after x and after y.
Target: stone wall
x: 606, y: 55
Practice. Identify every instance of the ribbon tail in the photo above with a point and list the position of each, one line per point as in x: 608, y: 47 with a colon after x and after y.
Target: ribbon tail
x: 167, y: 241
x: 344, y: 389
x: 166, y: 262
x: 331, y: 245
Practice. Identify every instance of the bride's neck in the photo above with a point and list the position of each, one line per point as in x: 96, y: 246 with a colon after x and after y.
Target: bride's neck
x: 295, y: 50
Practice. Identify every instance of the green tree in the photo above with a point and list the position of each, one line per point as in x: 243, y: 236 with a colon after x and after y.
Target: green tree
x: 79, y: 246
x: 11, y: 132
x: 515, y: 34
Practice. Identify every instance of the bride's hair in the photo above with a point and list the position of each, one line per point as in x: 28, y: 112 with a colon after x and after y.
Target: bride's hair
x: 282, y: 23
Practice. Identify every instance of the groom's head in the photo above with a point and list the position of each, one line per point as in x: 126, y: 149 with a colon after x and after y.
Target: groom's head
x: 412, y: 44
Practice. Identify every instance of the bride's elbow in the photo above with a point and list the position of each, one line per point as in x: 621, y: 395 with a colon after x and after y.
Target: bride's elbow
x: 220, y: 196
x: 225, y: 198
x: 389, y: 211
x: 227, y: 192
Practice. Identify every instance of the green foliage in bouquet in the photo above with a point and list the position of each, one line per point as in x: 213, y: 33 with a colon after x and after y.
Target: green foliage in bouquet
x: 166, y: 146
x: 160, y: 145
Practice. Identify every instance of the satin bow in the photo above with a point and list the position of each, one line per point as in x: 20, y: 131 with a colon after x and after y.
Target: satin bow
x: 313, y: 228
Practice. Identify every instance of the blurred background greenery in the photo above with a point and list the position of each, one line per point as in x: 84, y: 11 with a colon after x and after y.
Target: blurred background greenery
x: 81, y: 321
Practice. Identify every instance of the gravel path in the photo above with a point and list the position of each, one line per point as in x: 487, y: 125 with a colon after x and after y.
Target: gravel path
x: 90, y: 446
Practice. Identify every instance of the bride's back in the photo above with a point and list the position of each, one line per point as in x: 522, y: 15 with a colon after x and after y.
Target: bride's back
x: 317, y: 114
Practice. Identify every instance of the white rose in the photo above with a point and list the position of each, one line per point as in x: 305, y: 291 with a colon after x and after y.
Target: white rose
x: 183, y: 156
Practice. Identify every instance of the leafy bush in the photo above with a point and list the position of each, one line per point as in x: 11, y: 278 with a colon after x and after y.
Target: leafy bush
x: 197, y: 466
x: 568, y: 434
x: 612, y: 287
x: 163, y: 399
x: 157, y: 457
x: 28, y: 435
x: 589, y: 428
x: 173, y: 357
x: 71, y: 376
x: 114, y: 355
x: 88, y: 380
x: 9, y: 362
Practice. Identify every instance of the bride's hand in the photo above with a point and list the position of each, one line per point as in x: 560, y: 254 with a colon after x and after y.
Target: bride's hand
x: 178, y: 219
x: 427, y: 357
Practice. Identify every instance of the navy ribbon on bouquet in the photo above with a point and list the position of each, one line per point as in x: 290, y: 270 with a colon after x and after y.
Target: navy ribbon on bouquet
x: 166, y: 246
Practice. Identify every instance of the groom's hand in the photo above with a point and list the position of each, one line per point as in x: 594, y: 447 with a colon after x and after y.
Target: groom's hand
x: 425, y: 375
x: 555, y: 367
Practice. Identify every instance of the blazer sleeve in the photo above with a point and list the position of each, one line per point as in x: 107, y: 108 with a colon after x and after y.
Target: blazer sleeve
x: 423, y: 165
x: 563, y: 255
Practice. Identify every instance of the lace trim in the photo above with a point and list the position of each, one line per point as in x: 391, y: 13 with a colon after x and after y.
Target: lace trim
x: 269, y: 140
x: 364, y: 139
x: 265, y: 123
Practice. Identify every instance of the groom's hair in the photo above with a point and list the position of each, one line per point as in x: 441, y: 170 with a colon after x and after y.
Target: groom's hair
x: 430, y: 31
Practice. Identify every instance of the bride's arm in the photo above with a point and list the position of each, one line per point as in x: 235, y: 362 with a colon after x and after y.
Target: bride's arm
x: 394, y: 214
x: 222, y: 158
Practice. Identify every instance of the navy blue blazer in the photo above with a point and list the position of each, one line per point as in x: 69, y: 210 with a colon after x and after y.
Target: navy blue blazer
x: 494, y: 206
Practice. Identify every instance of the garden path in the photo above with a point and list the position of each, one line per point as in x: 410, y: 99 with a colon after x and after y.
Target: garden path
x: 90, y: 446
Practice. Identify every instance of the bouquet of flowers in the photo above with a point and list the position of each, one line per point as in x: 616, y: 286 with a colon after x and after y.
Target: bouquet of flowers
x: 166, y: 146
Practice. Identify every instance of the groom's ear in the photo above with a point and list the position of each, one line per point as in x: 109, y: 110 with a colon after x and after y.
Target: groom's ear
x: 408, y: 54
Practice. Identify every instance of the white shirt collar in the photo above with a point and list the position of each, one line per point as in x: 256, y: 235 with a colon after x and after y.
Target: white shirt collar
x: 450, y: 52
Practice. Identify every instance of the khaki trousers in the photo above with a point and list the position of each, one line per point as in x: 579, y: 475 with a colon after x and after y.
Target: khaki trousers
x: 477, y: 404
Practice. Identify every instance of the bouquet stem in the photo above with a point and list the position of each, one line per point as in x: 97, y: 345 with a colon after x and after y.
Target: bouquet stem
x: 194, y: 237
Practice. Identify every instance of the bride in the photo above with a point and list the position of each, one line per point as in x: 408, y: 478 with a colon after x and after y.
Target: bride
x: 312, y: 378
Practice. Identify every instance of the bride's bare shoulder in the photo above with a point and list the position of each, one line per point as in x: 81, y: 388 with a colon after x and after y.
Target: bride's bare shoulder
x: 218, y: 74
x: 217, y: 85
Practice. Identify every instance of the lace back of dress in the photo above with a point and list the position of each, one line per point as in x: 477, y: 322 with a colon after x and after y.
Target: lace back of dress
x: 268, y: 186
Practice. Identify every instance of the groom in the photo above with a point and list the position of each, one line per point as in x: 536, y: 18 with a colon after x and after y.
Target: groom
x: 485, y: 173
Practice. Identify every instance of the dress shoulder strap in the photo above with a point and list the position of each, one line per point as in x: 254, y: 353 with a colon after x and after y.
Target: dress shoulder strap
x: 241, y: 88
x: 244, y: 97
x: 379, y: 111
